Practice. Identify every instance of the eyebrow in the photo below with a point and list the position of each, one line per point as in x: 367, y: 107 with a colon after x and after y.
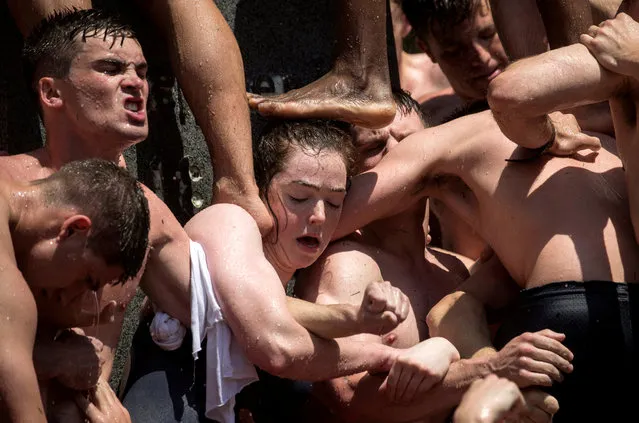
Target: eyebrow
x: 112, y: 61
x: 316, y: 187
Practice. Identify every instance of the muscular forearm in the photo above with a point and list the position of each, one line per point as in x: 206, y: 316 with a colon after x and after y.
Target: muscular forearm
x: 301, y: 355
x: 368, y: 404
x: 528, y: 90
x: 326, y: 321
x: 460, y: 318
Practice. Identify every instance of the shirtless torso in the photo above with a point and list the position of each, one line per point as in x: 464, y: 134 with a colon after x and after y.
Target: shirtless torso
x: 167, y: 264
x: 529, y: 213
x: 549, y: 220
x: 388, y: 250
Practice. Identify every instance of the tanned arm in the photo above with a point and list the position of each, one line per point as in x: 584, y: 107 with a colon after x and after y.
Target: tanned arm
x: 19, y: 392
x: 523, y: 95
x: 408, y: 172
x: 166, y: 278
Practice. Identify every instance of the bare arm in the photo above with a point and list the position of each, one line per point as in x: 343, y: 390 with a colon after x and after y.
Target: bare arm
x: 208, y: 64
x: 19, y: 392
x: 340, y: 276
x: 254, y: 305
x: 166, y: 278
x: 460, y: 316
x: 523, y: 95
x: 406, y: 174
x: 28, y: 13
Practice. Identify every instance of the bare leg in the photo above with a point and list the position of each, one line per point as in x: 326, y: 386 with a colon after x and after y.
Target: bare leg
x: 27, y: 14
x: 207, y: 62
x: 520, y: 27
x: 357, y: 89
x: 565, y: 20
x: 526, y: 26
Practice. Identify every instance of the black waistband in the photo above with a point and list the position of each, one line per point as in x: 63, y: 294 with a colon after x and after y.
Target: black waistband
x: 572, y: 287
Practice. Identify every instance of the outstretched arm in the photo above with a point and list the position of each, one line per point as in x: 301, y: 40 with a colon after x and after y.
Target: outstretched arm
x: 408, y: 172
x: 523, y: 95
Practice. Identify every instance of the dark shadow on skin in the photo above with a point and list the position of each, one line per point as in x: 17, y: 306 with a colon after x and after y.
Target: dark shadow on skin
x: 564, y: 186
x: 19, y: 123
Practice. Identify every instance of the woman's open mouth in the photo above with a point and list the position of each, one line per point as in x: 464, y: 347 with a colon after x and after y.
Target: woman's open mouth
x: 309, y: 242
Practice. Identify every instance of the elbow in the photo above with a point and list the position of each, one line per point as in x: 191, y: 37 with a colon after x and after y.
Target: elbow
x: 437, y: 314
x: 275, y: 356
x: 506, y: 93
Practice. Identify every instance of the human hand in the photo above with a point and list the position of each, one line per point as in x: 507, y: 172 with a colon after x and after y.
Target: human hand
x: 73, y: 359
x: 251, y: 202
x: 383, y: 308
x: 490, y: 400
x: 533, y: 359
x: 568, y: 138
x: 417, y: 369
x: 539, y: 406
x: 614, y: 44
x: 104, y: 406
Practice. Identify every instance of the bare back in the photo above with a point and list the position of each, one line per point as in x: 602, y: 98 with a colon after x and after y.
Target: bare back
x: 554, y: 219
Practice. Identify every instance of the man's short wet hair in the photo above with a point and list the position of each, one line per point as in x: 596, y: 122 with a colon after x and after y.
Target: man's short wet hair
x: 54, y: 42
x: 423, y: 15
x: 115, y: 203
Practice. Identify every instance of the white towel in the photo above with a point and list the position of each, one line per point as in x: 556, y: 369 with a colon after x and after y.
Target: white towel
x: 228, y: 370
x: 167, y: 332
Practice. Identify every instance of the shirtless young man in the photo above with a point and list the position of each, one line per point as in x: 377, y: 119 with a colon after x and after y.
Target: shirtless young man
x: 460, y: 36
x: 92, y: 92
x: 92, y: 220
x: 418, y: 75
x: 394, y: 249
x: 215, y: 93
x: 603, y: 68
x: 555, y: 219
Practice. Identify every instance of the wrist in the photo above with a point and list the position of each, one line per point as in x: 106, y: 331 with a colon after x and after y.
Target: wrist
x: 536, y: 152
x: 232, y: 186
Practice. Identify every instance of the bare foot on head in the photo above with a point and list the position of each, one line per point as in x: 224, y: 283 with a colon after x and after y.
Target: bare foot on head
x: 333, y: 96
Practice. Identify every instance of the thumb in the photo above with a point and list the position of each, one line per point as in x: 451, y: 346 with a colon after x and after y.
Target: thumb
x: 589, y: 142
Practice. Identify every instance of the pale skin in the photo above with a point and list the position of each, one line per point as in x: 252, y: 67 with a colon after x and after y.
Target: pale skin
x: 105, y: 134
x: 394, y: 249
x: 358, y: 87
x: 215, y: 93
x: 269, y: 335
x: 601, y: 68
